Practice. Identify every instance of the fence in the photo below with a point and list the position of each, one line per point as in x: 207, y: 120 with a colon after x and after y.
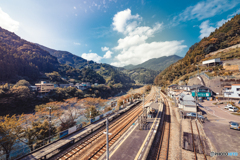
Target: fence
x: 25, y: 149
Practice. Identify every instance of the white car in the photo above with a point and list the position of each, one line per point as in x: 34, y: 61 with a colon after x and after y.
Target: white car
x: 233, y: 109
x: 227, y: 106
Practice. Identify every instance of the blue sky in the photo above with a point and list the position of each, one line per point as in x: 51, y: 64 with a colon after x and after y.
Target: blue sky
x: 118, y: 32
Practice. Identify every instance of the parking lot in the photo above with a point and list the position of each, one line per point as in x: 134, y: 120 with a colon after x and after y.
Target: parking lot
x: 217, y: 129
x: 219, y: 111
x: 223, y: 138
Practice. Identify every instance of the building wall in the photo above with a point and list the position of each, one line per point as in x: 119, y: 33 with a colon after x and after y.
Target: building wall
x: 189, y: 108
x: 45, y: 87
x: 234, y: 92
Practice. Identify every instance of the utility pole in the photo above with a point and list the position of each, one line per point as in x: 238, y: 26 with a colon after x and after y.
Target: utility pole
x: 196, y: 102
x: 107, y: 155
x: 49, y: 129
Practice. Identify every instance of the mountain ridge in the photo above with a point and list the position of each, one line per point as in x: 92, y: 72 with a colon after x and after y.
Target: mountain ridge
x: 156, y: 64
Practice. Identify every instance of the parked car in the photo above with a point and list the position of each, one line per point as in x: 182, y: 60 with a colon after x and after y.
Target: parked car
x: 239, y: 102
x: 200, y: 99
x: 227, y: 106
x: 233, y: 109
x: 234, y: 125
x: 191, y: 114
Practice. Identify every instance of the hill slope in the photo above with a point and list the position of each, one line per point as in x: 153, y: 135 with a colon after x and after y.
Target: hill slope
x: 142, y: 75
x: 157, y: 64
x: 110, y: 73
x: 223, y: 37
x: 20, y: 59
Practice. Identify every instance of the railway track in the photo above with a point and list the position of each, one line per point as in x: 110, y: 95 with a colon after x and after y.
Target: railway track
x: 160, y: 147
x: 166, y: 133
x: 199, y: 138
x: 94, y: 146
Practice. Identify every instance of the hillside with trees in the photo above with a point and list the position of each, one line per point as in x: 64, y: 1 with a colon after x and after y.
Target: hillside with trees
x: 20, y: 59
x: 141, y: 75
x: 225, y: 36
x: 111, y: 74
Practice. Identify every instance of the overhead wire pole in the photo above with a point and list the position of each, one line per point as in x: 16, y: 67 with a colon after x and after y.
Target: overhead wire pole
x: 196, y: 102
x: 107, y: 145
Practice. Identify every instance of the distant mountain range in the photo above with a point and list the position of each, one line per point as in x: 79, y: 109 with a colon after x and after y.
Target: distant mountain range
x: 110, y: 73
x: 156, y: 64
x: 20, y: 59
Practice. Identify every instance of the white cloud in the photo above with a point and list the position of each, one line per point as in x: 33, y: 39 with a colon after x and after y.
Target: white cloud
x: 90, y: 50
x: 220, y: 23
x: 92, y: 56
x: 133, y: 47
x: 7, y: 22
x: 145, y: 51
x: 108, y: 55
x: 74, y: 7
x: 237, y: 12
x: 206, y: 29
x: 76, y: 43
x: 205, y: 9
x: 105, y: 48
x: 120, y: 19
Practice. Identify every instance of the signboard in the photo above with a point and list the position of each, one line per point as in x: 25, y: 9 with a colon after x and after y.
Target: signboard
x: 202, y: 94
x: 63, y: 133
x: 72, y: 129
x: 97, y: 118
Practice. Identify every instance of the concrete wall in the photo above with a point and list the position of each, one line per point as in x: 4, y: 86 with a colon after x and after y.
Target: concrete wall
x: 214, y: 85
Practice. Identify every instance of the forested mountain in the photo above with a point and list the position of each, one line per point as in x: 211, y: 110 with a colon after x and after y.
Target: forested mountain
x: 68, y: 58
x: 20, y: 59
x: 223, y: 37
x: 110, y: 73
x: 157, y: 64
x: 142, y: 75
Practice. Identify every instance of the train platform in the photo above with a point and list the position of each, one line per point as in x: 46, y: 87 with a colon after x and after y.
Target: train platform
x: 43, y: 152
x: 134, y: 143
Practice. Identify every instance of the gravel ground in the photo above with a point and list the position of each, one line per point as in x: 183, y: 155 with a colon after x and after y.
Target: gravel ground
x: 174, y: 143
x: 178, y: 126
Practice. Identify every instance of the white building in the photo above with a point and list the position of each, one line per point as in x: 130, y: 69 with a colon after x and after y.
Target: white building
x: 45, y: 87
x: 212, y: 62
x: 232, y: 91
x: 186, y: 102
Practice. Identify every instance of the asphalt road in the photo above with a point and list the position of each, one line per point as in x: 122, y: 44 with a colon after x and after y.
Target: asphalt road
x: 223, y: 138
